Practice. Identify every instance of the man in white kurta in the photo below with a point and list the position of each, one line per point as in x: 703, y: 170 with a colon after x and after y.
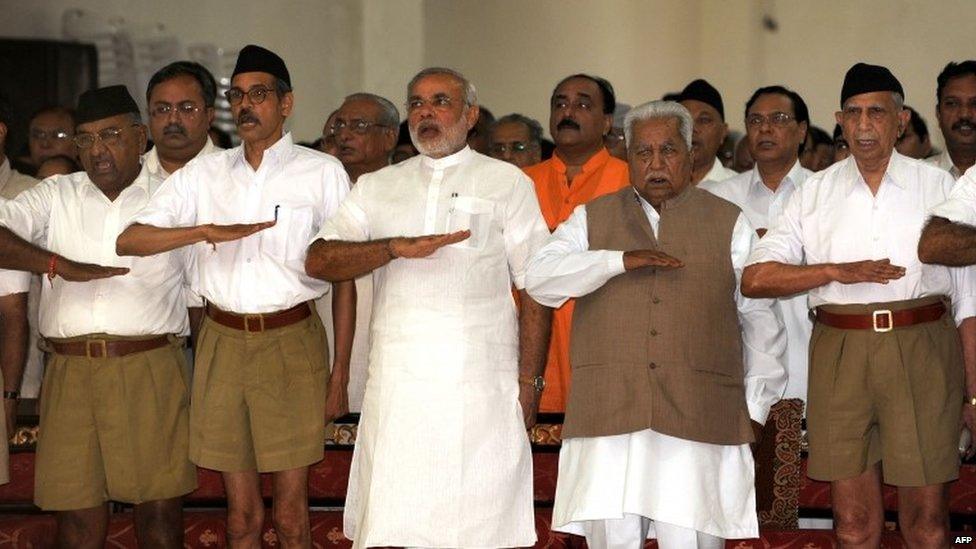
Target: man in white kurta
x: 616, y: 490
x: 442, y: 458
x: 776, y: 124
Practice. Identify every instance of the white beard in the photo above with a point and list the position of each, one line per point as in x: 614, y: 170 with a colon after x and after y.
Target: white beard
x: 450, y: 140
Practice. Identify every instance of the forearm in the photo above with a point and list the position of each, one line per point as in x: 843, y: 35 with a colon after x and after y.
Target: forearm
x: 142, y: 240
x: 343, y: 325
x: 947, y: 243
x: 967, y: 336
x: 17, y: 254
x: 534, y: 324
x: 337, y: 260
x: 772, y: 279
x: 14, y: 337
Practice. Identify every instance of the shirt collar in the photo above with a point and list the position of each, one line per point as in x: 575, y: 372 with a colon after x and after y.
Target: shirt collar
x: 140, y: 184
x: 595, y: 162
x: 273, y: 154
x: 894, y: 173
x: 792, y: 177
x: 715, y: 174
x: 151, y: 158
x: 438, y: 164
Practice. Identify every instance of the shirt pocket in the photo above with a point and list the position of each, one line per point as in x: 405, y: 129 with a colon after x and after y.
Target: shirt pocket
x: 472, y: 214
x: 289, y: 237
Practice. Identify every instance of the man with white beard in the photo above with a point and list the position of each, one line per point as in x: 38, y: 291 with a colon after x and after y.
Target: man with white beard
x: 446, y: 234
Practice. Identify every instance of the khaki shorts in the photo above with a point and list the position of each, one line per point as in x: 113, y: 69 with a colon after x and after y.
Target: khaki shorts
x: 113, y: 429
x: 259, y: 397
x: 894, y: 397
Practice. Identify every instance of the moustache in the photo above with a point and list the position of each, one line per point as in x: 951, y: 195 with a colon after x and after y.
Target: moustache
x: 174, y: 128
x: 567, y: 123
x: 963, y: 121
x: 245, y: 117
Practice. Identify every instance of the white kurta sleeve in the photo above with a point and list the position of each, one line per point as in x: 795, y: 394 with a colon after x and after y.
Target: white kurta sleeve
x: 28, y: 215
x: 763, y: 333
x: 524, y: 229
x: 961, y: 205
x: 174, y: 204
x: 783, y: 242
x: 565, y: 267
x: 963, y: 292
x: 350, y: 222
x: 14, y: 282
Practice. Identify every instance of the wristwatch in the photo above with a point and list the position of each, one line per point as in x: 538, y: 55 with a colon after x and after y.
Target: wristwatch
x: 536, y: 382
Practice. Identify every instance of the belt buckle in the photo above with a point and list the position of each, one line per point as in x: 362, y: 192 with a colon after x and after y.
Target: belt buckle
x: 247, y: 323
x: 101, y: 344
x: 883, y: 313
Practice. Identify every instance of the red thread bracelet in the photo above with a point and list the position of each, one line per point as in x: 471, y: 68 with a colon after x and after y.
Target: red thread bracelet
x: 51, y: 266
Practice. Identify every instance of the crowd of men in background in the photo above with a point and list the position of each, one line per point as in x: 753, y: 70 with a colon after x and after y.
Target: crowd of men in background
x: 663, y: 271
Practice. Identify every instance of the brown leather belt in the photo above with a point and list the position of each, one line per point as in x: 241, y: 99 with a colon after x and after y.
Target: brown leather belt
x: 260, y: 322
x: 882, y: 320
x: 107, y: 348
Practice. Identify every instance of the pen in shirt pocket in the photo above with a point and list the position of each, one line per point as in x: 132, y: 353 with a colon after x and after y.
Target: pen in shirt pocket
x: 453, y: 202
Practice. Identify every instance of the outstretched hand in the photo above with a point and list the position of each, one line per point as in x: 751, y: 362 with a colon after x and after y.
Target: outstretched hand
x: 213, y: 234
x: 83, y: 272
x: 639, y: 259
x: 423, y: 246
x: 879, y: 271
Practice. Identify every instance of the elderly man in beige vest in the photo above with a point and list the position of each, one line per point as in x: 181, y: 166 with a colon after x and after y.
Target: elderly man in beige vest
x: 667, y: 389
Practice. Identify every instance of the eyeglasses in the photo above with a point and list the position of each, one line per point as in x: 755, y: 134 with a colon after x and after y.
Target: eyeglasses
x: 108, y: 136
x: 184, y: 109
x: 257, y: 95
x: 513, y: 147
x: 41, y: 135
x: 777, y: 119
x: 357, y: 126
x: 874, y: 112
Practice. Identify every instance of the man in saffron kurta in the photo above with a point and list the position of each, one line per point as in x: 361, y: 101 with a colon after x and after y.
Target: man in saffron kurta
x: 581, y: 113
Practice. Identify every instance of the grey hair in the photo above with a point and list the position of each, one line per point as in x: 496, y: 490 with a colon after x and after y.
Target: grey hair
x: 899, y: 100
x: 389, y: 115
x: 470, y: 94
x: 659, y: 109
x: 135, y: 117
x: 535, y: 129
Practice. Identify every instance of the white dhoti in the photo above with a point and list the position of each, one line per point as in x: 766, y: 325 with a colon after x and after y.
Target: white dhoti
x: 708, y: 488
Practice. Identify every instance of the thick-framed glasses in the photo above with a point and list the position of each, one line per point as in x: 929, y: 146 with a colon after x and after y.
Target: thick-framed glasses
x: 257, y: 95
x: 185, y: 109
x: 875, y: 112
x: 357, y: 126
x: 777, y: 119
x: 42, y: 135
x: 513, y: 147
x: 108, y: 136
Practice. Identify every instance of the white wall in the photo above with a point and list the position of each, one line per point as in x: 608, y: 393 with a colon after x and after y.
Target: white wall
x: 515, y: 50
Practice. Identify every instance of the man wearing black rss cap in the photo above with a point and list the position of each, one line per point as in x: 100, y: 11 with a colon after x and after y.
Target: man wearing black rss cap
x: 887, y: 374
x: 708, y: 113
x: 261, y: 389
x: 114, y: 408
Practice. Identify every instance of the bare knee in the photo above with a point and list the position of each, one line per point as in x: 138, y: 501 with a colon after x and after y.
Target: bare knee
x: 244, y: 521
x: 82, y: 528
x: 160, y: 523
x: 291, y: 519
x: 925, y: 530
x: 857, y: 528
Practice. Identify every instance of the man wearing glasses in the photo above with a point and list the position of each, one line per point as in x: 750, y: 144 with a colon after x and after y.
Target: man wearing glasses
x: 49, y: 134
x: 261, y: 376
x: 516, y: 139
x: 776, y: 124
x: 887, y: 375
x: 445, y: 235
x: 365, y: 130
x: 114, y: 403
x: 181, y: 99
x: 580, y: 115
